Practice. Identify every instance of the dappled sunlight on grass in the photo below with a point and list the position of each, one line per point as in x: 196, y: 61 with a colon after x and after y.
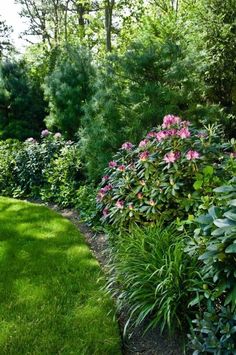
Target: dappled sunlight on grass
x: 50, y: 287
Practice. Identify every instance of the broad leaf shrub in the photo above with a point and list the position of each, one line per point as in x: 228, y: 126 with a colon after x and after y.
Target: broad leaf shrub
x: 170, y: 173
x: 214, y: 243
x: 31, y: 161
x: 8, y: 150
x: 49, y: 169
x: 63, y: 176
x: 152, y: 276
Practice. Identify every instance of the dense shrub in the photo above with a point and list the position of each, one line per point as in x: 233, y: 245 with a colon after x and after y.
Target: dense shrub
x: 63, y: 176
x: 86, y: 205
x: 170, y: 173
x: 153, y: 276
x: 8, y: 150
x: 214, y: 243
x: 31, y: 162
x: 49, y: 169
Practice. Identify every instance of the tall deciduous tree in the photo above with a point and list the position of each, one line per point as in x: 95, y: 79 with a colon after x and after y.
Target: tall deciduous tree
x: 5, y: 42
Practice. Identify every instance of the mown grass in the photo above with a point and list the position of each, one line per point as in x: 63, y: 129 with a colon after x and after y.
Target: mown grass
x: 51, y: 300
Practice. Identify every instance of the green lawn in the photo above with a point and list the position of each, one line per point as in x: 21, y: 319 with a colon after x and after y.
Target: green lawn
x: 50, y: 287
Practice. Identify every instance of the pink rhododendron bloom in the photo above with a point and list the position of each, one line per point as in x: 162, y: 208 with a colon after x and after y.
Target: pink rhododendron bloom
x: 192, y: 154
x: 127, y: 146
x: 170, y: 132
x: 121, y: 167
x: 144, y: 156
x: 143, y: 143
x: 105, y: 177
x: 171, y: 157
x: 160, y: 135
x: 105, y: 212
x: 106, y: 188
x: 184, y: 133
x: 57, y: 135
x: 170, y: 120
x: 120, y: 204
x: 45, y: 133
x: 112, y: 164
x: 151, y: 134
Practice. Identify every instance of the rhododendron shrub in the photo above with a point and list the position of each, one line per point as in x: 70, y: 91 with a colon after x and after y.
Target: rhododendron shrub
x: 171, y: 171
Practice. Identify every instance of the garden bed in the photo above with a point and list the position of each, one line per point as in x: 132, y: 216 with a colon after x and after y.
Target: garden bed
x: 135, y: 341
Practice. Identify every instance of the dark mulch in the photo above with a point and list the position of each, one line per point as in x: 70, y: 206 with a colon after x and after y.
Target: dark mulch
x: 135, y: 342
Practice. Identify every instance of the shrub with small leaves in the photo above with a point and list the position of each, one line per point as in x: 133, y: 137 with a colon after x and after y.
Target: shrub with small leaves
x: 169, y: 174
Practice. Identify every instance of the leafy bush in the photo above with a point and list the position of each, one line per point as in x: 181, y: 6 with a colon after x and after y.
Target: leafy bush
x: 8, y: 150
x: 63, y: 176
x: 86, y: 204
x: 169, y: 174
x: 31, y: 162
x: 214, y: 243
x: 152, y: 276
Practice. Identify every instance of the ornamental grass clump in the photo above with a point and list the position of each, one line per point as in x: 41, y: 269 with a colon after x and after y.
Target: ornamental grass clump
x: 171, y: 171
x: 152, y: 276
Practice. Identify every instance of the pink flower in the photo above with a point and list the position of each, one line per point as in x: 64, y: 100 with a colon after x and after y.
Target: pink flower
x: 184, y: 133
x: 143, y: 143
x: 160, y: 135
x: 30, y: 140
x: 121, y: 167
x: 144, y: 156
x: 45, y: 133
x: 105, y: 212
x: 192, y: 154
x: 127, y: 146
x: 171, y: 132
x: 105, y: 178
x: 170, y: 120
x: 57, y: 135
x: 106, y: 188
x: 171, y: 157
x: 112, y: 164
x: 151, y: 134
x: 120, y: 204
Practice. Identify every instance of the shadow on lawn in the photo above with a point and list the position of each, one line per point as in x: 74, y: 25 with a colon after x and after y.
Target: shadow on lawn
x: 50, y: 287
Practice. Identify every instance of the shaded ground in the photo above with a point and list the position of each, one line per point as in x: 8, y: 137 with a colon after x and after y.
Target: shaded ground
x: 152, y: 343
